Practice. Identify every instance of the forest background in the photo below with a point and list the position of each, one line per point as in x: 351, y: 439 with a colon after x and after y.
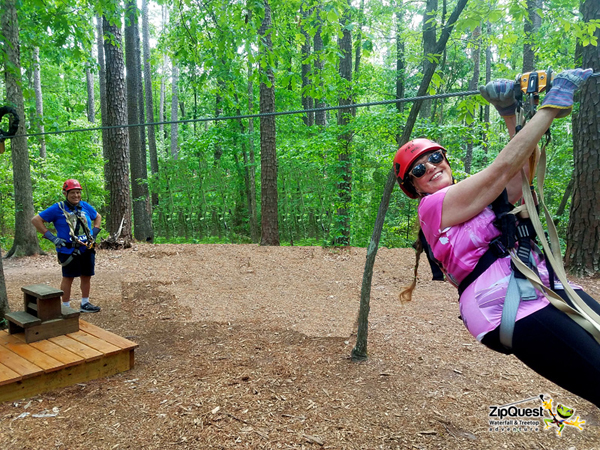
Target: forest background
x: 207, y: 173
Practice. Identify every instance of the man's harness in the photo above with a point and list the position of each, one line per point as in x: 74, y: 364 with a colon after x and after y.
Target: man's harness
x: 75, y: 220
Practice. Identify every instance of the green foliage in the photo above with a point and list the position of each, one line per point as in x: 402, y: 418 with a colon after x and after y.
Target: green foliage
x: 202, y: 194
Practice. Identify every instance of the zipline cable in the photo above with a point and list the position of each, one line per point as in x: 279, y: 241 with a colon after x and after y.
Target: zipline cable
x: 253, y: 116
x: 277, y: 113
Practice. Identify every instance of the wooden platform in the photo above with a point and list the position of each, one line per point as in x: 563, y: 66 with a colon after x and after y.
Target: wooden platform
x: 31, y: 369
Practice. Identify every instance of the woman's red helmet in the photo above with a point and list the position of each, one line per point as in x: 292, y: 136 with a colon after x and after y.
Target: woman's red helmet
x: 71, y: 184
x: 406, y: 156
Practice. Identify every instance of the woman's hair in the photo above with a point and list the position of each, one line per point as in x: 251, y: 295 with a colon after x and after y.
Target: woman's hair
x: 406, y: 294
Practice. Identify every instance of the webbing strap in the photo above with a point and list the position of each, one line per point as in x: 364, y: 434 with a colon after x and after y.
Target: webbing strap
x: 580, y: 312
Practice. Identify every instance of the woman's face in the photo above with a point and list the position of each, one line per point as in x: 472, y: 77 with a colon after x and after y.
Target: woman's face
x: 436, y: 176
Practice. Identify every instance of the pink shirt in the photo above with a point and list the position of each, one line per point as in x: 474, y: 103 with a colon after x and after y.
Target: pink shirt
x: 459, y: 248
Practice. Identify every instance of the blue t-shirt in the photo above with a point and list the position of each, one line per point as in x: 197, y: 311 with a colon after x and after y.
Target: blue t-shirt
x: 55, y: 215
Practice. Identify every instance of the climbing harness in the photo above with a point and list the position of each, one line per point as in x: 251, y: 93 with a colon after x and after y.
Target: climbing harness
x: 76, y: 221
x: 517, y: 234
x: 13, y: 125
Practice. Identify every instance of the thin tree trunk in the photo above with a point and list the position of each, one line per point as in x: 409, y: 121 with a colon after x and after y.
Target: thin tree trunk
x: 39, y: 101
x: 429, y: 44
x: 251, y: 163
x: 149, y: 100
x: 117, y: 138
x: 161, y: 107
x: 174, y: 111
x: 268, y: 155
x: 345, y: 183
x: 359, y: 352
x: 320, y: 117
x: 307, y: 100
x: 533, y: 22
x: 26, y: 240
x: 142, y: 222
x: 103, y: 107
x: 400, y: 63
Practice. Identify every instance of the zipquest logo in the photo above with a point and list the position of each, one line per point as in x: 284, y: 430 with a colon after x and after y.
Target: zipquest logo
x: 514, y: 418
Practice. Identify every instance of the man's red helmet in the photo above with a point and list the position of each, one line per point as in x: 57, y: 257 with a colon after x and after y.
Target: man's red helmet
x: 406, y: 156
x: 71, y: 184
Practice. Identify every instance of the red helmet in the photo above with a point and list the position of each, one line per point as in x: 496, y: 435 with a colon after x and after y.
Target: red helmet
x: 71, y: 184
x: 406, y: 156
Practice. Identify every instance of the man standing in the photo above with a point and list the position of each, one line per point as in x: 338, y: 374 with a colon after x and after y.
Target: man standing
x: 77, y: 224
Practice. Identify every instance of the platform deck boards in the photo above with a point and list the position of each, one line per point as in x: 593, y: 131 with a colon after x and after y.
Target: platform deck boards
x: 88, y: 354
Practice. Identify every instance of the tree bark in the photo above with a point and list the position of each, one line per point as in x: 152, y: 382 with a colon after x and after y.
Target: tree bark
x: 307, y: 100
x: 174, y: 111
x: 320, y: 117
x: 583, y: 236
x: 345, y: 183
x: 359, y: 352
x: 102, y: 85
x: 400, y: 63
x: 249, y: 160
x: 149, y: 100
x: 39, y: 100
x: 268, y: 155
x: 117, y: 138
x: 26, y: 240
x: 429, y: 45
x: 142, y: 222
x: 533, y: 22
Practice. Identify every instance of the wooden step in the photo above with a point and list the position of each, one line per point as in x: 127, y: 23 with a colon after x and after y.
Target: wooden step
x: 22, y: 319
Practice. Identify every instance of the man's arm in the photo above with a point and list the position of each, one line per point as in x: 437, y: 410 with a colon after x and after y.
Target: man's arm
x: 38, y: 223
x: 97, y: 221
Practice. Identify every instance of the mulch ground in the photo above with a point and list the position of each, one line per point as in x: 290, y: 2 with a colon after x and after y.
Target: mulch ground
x: 242, y: 346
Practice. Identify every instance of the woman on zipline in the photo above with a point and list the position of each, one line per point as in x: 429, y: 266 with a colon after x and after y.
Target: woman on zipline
x: 461, y: 230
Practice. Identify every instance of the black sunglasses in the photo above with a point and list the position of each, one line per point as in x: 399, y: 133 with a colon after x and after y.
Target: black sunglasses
x: 420, y: 169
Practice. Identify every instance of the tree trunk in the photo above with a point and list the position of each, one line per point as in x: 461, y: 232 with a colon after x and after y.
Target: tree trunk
x: 475, y: 57
x: 583, y: 236
x: 39, y: 101
x: 307, y: 100
x: 268, y: 148
x: 400, y: 63
x: 429, y: 45
x: 161, y: 105
x: 320, y: 117
x: 533, y: 22
x: 250, y: 162
x: 359, y: 352
x: 26, y: 240
x: 149, y: 101
x: 174, y: 112
x: 117, y: 138
x: 102, y: 85
x: 345, y: 183
x: 142, y: 223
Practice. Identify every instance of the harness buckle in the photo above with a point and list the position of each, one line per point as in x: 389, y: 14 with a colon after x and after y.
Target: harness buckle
x: 499, y: 249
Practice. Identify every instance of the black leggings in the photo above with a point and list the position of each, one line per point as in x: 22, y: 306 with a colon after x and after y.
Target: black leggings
x: 554, y: 346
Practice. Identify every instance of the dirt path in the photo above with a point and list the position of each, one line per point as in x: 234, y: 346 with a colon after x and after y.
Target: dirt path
x: 248, y: 347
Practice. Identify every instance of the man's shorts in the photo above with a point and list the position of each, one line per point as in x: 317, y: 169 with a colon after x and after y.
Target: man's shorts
x: 81, y: 264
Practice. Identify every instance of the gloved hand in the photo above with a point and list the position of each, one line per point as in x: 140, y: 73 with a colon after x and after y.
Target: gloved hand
x: 95, y: 232
x: 501, y: 94
x: 563, y: 88
x: 58, y: 242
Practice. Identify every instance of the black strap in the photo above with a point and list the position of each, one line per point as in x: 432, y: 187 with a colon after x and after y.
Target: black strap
x: 493, y: 253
